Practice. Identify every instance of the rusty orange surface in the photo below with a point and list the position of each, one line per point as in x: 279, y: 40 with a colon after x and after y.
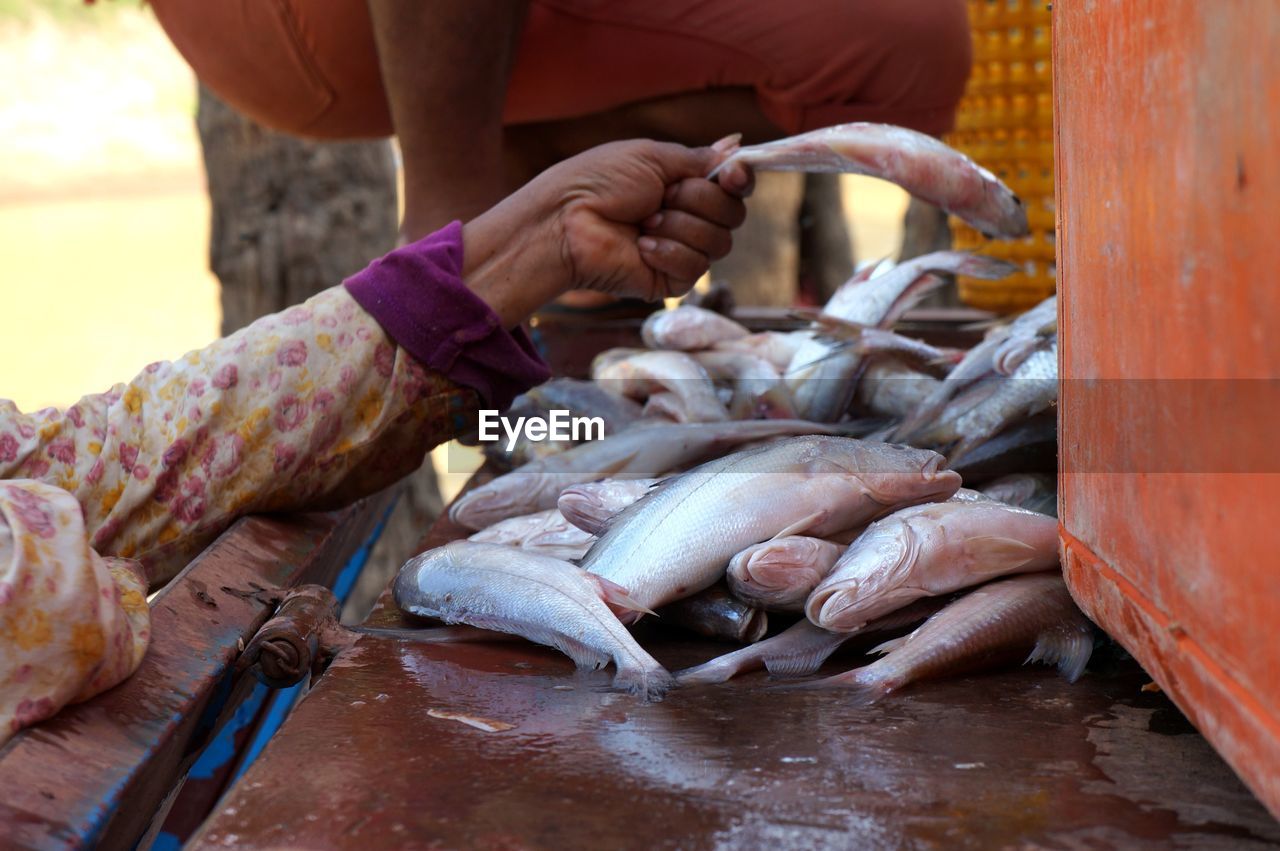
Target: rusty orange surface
x: 1168, y: 130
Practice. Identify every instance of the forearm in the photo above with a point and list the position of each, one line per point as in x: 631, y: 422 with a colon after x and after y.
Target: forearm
x: 444, y: 68
x: 312, y: 407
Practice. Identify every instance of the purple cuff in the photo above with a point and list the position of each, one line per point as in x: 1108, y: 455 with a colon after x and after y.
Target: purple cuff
x: 417, y: 295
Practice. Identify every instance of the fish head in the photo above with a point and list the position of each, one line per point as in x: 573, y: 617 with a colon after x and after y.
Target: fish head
x: 407, y: 589
x: 780, y: 564
x: 862, y: 585
x: 489, y: 504
x: 1001, y: 213
x: 888, y: 473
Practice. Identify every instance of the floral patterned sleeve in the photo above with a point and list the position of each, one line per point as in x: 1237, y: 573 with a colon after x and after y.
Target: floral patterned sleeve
x: 306, y: 409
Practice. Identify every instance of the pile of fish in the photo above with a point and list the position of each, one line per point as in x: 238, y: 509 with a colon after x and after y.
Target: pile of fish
x: 809, y: 479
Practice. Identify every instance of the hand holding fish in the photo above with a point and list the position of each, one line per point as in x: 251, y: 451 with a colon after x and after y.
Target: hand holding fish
x: 630, y: 218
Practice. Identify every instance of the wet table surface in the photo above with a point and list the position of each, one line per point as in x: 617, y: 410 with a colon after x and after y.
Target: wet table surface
x: 372, y: 759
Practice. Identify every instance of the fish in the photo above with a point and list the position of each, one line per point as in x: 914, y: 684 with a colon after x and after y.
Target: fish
x: 715, y: 613
x: 799, y: 650
x: 641, y: 375
x: 890, y: 388
x: 777, y: 347
x: 609, y: 357
x: 579, y: 398
x: 1030, y: 446
x: 543, y: 599
x: 1031, y: 388
x: 548, y: 533
x: 780, y: 573
x: 635, y: 453
x: 928, y: 550
x: 1010, y: 343
x: 679, y: 537
x: 868, y: 341
x: 758, y: 389
x: 822, y: 373
x: 666, y: 407
x: 1031, y: 614
x: 591, y: 505
x: 1032, y: 491
x: 920, y: 164
x: 687, y: 329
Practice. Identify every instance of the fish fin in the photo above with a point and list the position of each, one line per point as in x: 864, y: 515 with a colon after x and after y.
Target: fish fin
x: 651, y: 684
x: 628, y: 610
x: 582, y: 655
x: 1004, y: 555
x: 1068, y: 648
x: 802, y: 664
x: 889, y: 646
x: 909, y: 297
x: 801, y: 525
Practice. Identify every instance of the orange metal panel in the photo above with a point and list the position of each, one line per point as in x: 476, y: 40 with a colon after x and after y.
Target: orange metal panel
x: 1168, y: 183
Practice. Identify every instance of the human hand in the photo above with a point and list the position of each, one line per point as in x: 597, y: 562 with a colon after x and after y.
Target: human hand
x: 629, y: 218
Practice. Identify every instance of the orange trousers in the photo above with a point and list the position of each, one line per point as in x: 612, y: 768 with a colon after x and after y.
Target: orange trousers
x: 310, y: 67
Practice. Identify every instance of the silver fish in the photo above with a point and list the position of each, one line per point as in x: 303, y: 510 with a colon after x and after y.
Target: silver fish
x: 920, y: 164
x: 758, y: 389
x: 1005, y: 619
x: 546, y: 600
x: 644, y: 374
x: 592, y: 505
x: 688, y: 329
x: 1031, y: 388
x: 1032, y: 491
x: 800, y: 649
x: 1012, y: 343
x: 777, y: 347
x: 823, y: 372
x: 890, y: 388
x: 715, y: 613
x: 547, y: 533
x: 678, y: 539
x: 581, y: 399
x: 779, y: 574
x: 868, y: 341
x: 928, y: 550
x: 635, y: 453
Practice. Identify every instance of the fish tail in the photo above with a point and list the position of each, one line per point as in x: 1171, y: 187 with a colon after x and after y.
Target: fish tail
x: 729, y: 146
x: 1069, y: 649
x: 649, y: 683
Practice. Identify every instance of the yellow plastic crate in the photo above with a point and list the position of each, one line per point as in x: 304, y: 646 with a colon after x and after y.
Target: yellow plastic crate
x: 1005, y: 123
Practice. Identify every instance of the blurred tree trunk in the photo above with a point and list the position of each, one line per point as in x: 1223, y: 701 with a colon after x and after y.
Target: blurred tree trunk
x: 763, y: 267
x: 826, y: 251
x: 290, y: 218
x: 925, y: 230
